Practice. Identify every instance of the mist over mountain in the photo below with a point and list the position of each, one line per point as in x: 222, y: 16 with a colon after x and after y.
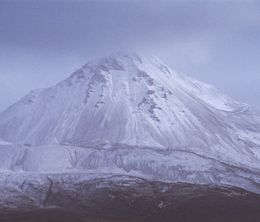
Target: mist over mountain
x: 132, y: 115
x: 217, y: 42
x: 167, y: 129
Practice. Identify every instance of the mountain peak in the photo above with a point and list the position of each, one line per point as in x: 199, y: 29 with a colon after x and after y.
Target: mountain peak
x: 133, y: 113
x: 115, y: 61
x: 121, y: 99
x: 130, y: 65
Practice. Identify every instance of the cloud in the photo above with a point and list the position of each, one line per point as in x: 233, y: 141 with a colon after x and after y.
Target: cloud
x: 41, y: 42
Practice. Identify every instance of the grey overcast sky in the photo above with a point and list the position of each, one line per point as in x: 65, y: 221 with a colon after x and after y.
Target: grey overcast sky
x: 43, y: 41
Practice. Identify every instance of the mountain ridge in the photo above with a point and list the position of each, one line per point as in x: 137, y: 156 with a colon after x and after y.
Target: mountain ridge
x: 102, y: 70
x: 134, y: 115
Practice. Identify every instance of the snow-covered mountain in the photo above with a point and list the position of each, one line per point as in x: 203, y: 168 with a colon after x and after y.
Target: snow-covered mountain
x: 132, y: 115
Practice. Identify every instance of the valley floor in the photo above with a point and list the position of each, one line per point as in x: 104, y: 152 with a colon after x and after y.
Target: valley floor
x: 118, y: 200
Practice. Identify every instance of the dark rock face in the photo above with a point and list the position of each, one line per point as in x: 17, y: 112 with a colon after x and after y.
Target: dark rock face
x: 133, y: 199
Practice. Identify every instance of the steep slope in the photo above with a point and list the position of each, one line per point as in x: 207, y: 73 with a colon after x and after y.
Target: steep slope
x: 133, y: 115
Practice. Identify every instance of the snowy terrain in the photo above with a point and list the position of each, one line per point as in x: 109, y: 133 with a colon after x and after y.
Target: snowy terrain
x: 2, y: 142
x: 134, y: 116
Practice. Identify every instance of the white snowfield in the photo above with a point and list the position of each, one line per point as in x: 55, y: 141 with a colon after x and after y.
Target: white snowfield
x: 2, y: 142
x: 131, y: 115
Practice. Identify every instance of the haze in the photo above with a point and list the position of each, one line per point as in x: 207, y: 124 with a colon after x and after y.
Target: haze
x: 43, y: 42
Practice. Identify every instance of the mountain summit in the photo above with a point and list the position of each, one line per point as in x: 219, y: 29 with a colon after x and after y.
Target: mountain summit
x: 122, y: 99
x: 135, y: 114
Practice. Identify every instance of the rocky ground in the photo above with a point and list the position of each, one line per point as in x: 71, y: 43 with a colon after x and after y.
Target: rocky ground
x: 134, y: 199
